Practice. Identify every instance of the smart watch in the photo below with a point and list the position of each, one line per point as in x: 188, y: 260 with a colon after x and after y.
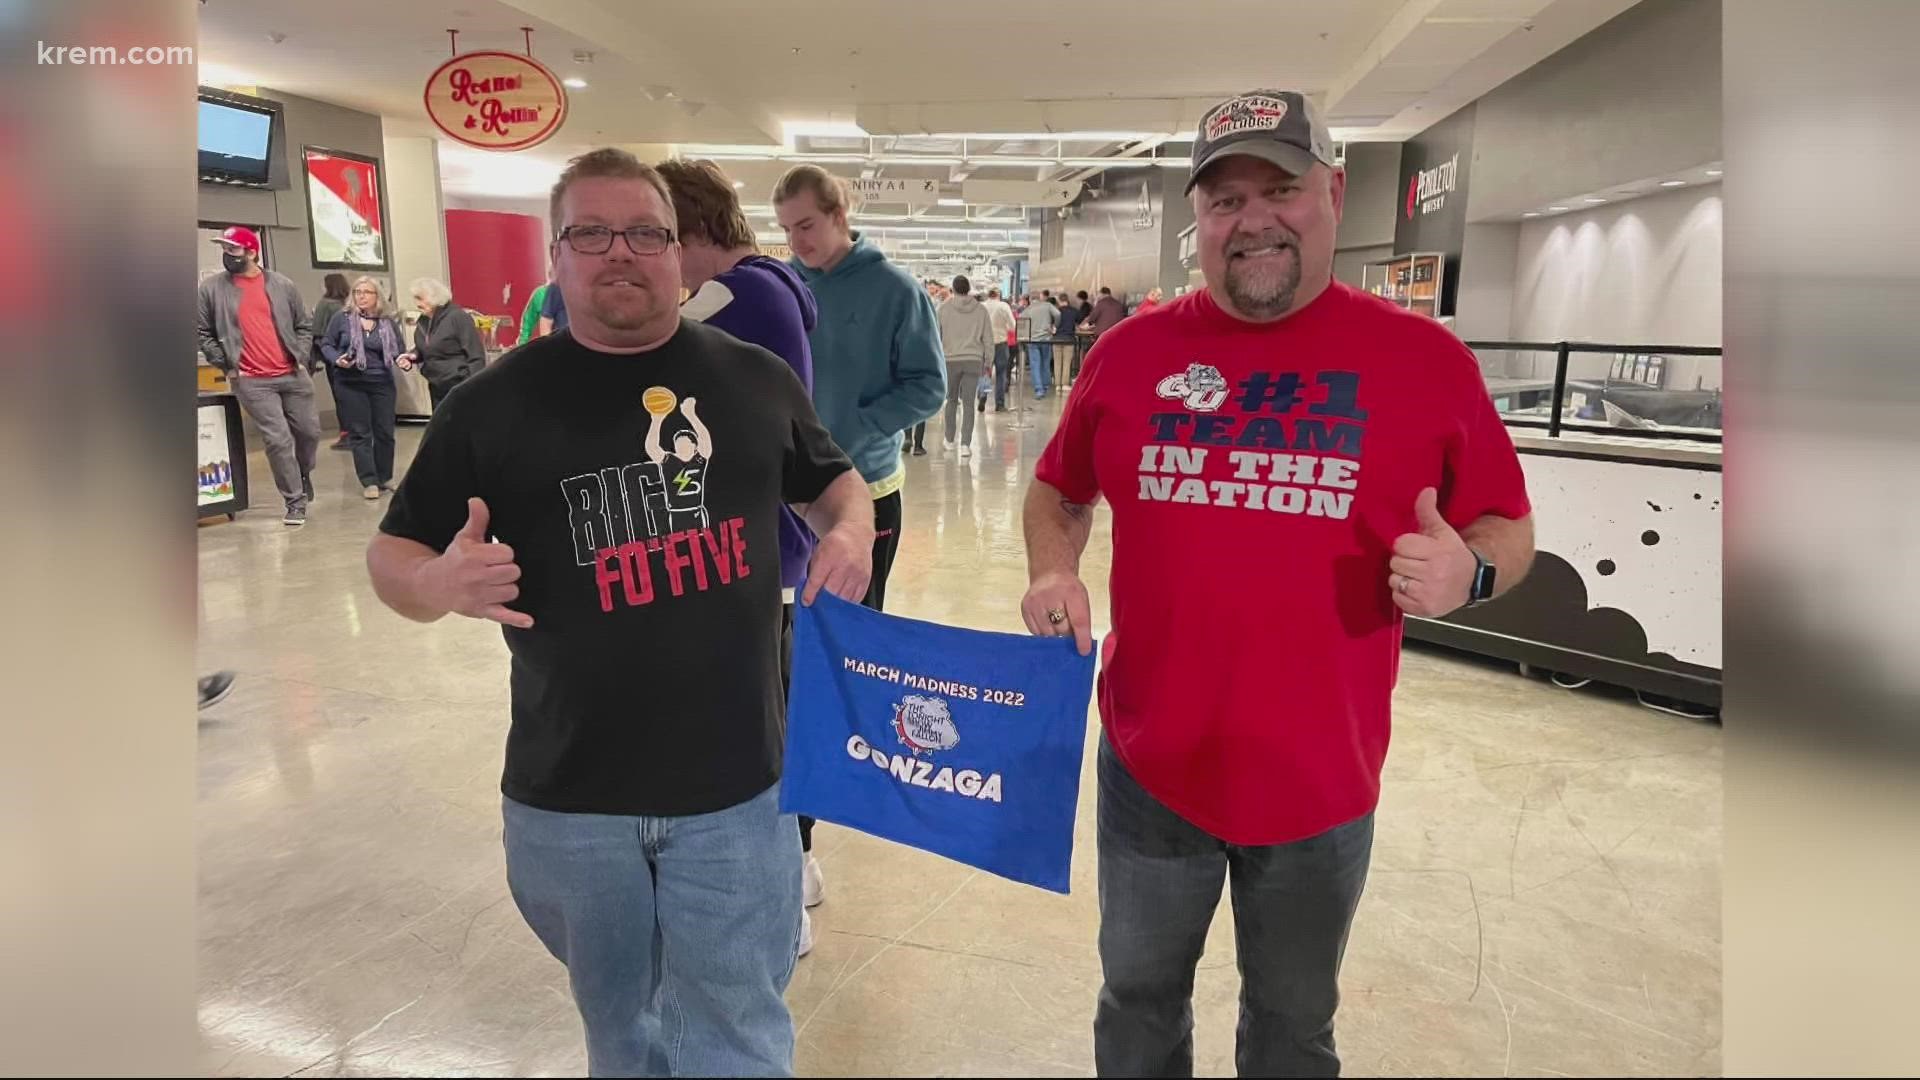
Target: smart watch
x: 1481, y: 590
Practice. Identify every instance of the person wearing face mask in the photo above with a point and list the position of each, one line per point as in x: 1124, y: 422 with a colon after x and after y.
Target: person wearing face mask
x: 1245, y: 700
x: 253, y: 326
x: 362, y: 345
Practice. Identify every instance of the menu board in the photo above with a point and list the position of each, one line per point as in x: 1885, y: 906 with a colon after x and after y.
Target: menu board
x: 221, y: 484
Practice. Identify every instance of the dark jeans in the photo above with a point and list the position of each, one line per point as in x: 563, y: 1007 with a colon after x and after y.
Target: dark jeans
x: 1002, y: 369
x: 886, y: 544
x: 437, y: 391
x: 1160, y: 880
x: 918, y: 436
x: 365, y: 403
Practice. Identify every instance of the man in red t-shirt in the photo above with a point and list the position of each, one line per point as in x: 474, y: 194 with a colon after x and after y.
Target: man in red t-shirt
x: 1291, y: 464
x: 253, y: 326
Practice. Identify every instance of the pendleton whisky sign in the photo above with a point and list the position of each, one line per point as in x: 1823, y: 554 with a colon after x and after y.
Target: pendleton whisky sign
x: 1434, y: 167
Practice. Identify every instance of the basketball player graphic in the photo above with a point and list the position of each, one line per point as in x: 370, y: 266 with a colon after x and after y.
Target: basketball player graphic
x: 683, y: 470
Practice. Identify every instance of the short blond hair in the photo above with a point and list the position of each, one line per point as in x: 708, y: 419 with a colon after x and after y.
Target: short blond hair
x: 830, y: 191
x: 611, y: 162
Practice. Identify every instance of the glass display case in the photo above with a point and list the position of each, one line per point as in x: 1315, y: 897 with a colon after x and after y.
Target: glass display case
x: 1621, y: 449
x: 1416, y: 282
x: 1657, y: 391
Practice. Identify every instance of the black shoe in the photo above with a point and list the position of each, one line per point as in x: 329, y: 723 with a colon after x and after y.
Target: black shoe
x: 214, y: 688
x: 306, y: 485
x: 919, y: 451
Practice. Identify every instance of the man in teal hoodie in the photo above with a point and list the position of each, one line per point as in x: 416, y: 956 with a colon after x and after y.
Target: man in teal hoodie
x: 877, y: 365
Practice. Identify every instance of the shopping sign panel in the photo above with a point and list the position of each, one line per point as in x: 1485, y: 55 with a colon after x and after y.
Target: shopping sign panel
x: 496, y: 100
x: 963, y: 743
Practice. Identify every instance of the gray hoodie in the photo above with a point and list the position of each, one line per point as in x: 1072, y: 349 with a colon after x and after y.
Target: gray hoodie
x: 966, y: 331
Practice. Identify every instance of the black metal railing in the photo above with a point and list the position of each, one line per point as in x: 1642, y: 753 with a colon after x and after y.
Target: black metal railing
x: 1642, y: 362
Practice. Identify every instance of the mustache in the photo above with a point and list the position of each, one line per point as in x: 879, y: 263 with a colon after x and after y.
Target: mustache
x: 1240, y: 242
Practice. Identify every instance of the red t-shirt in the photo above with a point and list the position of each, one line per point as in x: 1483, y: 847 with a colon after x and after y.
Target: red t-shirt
x: 1258, y: 477
x: 262, y: 354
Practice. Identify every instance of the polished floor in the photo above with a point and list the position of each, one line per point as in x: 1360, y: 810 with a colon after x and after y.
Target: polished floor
x: 1544, y: 898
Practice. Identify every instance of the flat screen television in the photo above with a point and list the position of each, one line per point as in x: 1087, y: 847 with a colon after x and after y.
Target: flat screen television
x: 236, y: 141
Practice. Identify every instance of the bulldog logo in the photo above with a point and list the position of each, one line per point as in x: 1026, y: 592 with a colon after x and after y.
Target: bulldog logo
x: 924, y: 725
x: 1201, y: 387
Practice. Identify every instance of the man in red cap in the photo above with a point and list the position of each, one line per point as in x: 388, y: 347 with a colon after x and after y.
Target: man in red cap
x: 253, y: 326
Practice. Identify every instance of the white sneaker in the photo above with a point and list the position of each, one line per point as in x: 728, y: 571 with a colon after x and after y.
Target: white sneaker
x: 947, y: 441
x: 806, y: 932
x: 372, y: 491
x: 813, y: 888
x: 966, y: 451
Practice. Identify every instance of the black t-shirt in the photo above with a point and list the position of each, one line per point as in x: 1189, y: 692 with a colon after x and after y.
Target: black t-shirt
x: 650, y: 681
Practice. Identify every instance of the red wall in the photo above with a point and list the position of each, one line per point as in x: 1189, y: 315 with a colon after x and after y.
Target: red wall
x: 495, y: 260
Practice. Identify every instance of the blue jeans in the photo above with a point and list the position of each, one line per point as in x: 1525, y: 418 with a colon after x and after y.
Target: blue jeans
x: 1040, y: 366
x: 1002, y: 367
x: 1160, y: 880
x: 679, y: 933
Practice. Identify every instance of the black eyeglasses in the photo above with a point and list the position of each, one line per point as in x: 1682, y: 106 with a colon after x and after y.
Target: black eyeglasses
x: 598, y: 239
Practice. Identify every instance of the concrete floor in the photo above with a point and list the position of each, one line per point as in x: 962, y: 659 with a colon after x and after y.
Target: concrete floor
x: 1544, y: 899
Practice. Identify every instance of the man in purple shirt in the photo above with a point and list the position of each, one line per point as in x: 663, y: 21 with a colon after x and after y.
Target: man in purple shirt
x: 761, y: 301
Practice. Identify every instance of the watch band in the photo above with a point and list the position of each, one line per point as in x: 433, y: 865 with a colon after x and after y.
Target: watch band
x: 1480, y: 590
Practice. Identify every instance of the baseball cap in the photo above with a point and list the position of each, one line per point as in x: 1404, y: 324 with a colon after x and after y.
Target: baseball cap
x: 1280, y: 126
x: 241, y: 235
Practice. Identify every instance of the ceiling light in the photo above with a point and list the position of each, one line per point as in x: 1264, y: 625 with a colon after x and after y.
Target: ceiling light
x: 738, y: 184
x: 1713, y: 172
x: 952, y: 202
x: 574, y: 82
x: 1590, y: 202
x: 1555, y: 209
x: 843, y: 128
x: 1061, y: 136
x: 1673, y: 183
x: 915, y: 159
x: 1531, y: 213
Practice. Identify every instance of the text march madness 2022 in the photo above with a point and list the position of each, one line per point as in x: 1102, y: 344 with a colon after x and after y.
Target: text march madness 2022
x: 964, y: 743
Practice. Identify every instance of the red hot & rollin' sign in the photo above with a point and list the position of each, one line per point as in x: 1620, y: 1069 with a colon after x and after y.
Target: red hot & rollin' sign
x: 496, y: 100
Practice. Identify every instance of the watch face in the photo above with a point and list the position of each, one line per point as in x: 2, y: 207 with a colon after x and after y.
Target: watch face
x: 1482, y: 580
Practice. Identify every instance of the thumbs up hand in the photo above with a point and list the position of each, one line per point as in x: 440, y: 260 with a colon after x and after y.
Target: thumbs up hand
x: 474, y: 577
x: 1432, y: 569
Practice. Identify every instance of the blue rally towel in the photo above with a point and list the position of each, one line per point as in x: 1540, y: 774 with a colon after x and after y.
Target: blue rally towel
x: 964, y: 743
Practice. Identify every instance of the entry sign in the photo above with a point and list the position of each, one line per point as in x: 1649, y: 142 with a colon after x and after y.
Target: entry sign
x: 963, y: 743
x: 911, y: 192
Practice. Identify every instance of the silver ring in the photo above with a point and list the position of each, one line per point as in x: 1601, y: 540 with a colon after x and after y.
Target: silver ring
x: 1056, y: 616
x: 1403, y: 585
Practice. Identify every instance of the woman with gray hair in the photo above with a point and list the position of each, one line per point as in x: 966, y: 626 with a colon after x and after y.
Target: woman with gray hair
x: 446, y: 344
x: 361, y: 344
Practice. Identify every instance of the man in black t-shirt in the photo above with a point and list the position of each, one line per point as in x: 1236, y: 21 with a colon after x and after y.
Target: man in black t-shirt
x: 640, y: 590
